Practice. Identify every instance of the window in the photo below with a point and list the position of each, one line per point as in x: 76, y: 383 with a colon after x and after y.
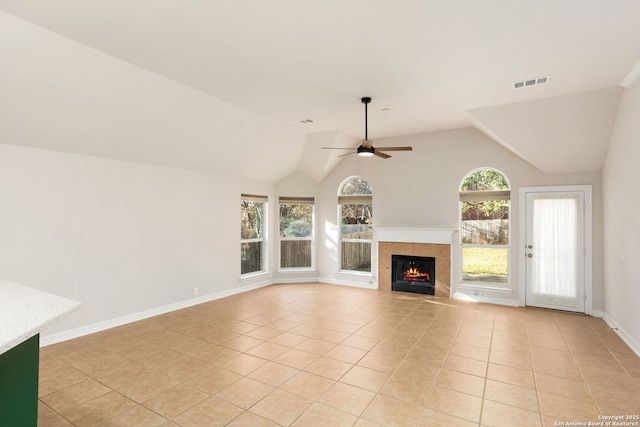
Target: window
x: 252, y: 235
x: 484, y: 228
x: 356, y: 224
x: 296, y: 232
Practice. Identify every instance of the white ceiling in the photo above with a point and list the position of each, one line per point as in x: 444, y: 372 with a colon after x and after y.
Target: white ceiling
x: 215, y: 85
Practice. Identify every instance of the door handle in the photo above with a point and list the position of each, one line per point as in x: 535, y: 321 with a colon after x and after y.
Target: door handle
x: 530, y: 246
x: 529, y: 255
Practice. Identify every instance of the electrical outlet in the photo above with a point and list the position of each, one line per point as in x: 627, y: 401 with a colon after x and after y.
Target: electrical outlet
x: 195, y: 292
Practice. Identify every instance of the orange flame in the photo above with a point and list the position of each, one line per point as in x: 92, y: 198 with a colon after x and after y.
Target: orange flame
x: 413, y: 274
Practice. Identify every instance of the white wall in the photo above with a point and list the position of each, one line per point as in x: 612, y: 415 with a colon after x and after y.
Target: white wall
x: 622, y: 220
x: 420, y: 189
x: 119, y: 237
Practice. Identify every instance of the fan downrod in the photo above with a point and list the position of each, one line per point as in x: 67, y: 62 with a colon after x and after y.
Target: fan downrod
x: 365, y: 101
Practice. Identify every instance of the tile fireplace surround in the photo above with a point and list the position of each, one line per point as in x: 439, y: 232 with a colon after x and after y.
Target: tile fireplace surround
x: 428, y: 242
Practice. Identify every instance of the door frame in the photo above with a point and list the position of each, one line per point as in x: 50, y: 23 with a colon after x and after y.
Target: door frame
x: 588, y: 237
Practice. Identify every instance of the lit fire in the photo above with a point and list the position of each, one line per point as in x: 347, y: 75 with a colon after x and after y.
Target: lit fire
x: 414, y: 275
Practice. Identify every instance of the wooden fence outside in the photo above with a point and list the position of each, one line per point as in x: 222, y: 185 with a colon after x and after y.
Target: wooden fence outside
x: 485, y: 232
x: 295, y: 253
x: 356, y: 256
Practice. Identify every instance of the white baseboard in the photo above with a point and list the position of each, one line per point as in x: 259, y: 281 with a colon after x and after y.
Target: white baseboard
x: 134, y: 317
x: 499, y: 301
x: 346, y: 282
x: 296, y: 280
x: 628, y: 339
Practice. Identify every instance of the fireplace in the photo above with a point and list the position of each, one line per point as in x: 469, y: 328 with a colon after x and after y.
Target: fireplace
x: 423, y: 242
x: 411, y: 273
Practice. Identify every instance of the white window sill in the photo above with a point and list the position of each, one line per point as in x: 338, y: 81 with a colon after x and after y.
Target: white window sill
x: 485, y: 287
x: 253, y: 275
x: 297, y: 270
x: 355, y: 273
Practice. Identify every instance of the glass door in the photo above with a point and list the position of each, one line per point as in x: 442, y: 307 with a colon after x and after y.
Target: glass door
x: 555, y: 250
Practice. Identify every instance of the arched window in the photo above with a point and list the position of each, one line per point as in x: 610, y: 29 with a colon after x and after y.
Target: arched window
x: 484, y: 228
x: 355, y: 203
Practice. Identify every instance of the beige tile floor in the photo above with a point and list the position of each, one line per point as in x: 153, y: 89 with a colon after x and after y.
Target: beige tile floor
x: 326, y: 355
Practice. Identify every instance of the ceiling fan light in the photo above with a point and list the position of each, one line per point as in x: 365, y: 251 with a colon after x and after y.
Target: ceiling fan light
x: 365, y: 151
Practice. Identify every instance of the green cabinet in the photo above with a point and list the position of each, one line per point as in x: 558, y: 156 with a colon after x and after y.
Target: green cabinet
x: 19, y: 384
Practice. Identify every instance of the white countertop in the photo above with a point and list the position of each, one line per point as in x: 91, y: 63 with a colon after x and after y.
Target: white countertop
x: 25, y: 312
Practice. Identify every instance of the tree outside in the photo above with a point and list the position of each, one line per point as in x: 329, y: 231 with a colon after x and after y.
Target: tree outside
x: 355, y: 186
x: 251, y: 219
x: 251, y: 234
x: 485, y: 180
x: 296, y: 220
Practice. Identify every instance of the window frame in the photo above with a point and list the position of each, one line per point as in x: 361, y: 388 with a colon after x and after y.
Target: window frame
x: 482, y: 196
x: 262, y: 240
x: 311, y: 238
x: 354, y: 199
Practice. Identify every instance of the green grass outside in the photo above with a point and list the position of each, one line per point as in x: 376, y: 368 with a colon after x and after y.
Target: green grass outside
x: 484, y: 261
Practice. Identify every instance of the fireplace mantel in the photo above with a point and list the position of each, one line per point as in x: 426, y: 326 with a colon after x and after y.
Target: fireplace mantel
x: 414, y: 235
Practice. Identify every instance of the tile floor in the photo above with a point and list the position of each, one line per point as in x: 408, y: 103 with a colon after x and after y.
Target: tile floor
x: 326, y: 355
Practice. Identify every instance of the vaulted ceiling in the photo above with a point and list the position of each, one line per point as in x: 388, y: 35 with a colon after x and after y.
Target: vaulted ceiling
x: 218, y: 85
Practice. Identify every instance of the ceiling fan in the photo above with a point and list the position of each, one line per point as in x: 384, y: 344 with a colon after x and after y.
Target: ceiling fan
x: 367, y: 148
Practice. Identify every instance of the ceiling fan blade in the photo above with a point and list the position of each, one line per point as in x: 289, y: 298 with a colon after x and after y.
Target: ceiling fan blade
x: 379, y: 154
x: 394, y: 148
x: 338, y: 148
x: 342, y: 155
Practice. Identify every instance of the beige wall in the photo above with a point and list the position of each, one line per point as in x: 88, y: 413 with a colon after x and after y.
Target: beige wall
x: 119, y: 237
x: 622, y: 220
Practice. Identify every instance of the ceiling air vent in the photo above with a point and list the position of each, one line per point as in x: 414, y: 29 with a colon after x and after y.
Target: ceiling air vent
x: 303, y: 122
x: 531, y: 82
